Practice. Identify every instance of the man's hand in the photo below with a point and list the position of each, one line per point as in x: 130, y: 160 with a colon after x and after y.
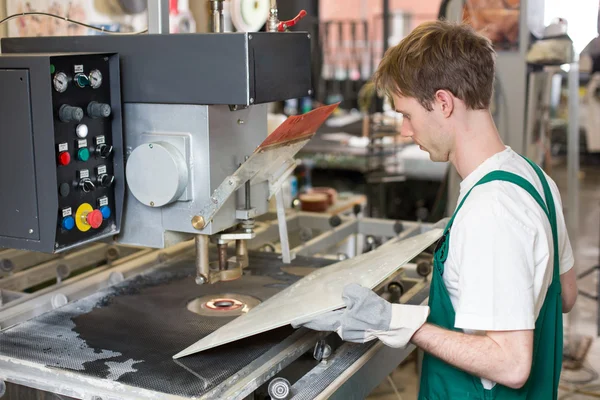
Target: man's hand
x: 367, y: 317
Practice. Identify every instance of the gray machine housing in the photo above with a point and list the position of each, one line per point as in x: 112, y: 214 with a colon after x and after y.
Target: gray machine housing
x: 204, y: 95
x: 200, y: 68
x: 28, y: 177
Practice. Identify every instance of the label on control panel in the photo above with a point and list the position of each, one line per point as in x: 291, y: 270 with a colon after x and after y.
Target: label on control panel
x: 66, y: 212
x: 82, y: 143
x: 101, y: 169
x: 84, y: 173
x: 100, y: 140
x: 78, y: 68
x: 102, y: 201
x: 63, y: 147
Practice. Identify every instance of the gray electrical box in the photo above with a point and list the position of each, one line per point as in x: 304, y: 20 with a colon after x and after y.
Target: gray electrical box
x: 61, y: 150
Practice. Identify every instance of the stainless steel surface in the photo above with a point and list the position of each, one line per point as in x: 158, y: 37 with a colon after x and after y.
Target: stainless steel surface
x: 200, y: 133
x: 158, y: 16
x: 299, y: 301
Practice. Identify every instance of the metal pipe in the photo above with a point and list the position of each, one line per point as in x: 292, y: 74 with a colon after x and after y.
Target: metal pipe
x: 202, y: 266
x: 241, y: 252
x: 247, y: 191
x: 572, y: 217
x: 386, y: 25
x: 158, y: 16
x: 216, y: 10
x: 273, y: 20
x: 222, y: 256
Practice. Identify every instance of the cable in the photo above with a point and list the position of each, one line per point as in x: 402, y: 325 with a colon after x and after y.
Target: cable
x: 24, y: 14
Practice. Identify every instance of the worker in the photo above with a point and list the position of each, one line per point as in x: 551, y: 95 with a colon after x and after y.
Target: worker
x: 502, y: 275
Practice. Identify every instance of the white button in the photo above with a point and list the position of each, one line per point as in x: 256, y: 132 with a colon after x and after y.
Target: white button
x: 82, y: 130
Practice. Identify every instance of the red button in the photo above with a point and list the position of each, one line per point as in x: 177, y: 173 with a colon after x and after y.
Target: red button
x: 64, y: 158
x: 94, y: 219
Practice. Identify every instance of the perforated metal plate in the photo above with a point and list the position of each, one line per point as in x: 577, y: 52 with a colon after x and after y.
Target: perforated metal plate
x: 128, y: 333
x: 318, y: 293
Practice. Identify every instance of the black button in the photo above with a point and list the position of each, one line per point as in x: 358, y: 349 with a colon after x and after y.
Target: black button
x: 64, y: 189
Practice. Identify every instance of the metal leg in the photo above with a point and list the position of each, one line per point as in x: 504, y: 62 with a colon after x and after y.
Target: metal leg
x: 202, y: 266
x: 283, y: 234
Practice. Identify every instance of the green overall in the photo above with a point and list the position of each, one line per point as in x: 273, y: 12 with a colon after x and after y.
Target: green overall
x: 440, y: 380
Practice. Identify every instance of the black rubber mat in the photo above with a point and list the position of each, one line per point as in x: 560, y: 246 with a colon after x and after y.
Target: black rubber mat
x: 129, y: 332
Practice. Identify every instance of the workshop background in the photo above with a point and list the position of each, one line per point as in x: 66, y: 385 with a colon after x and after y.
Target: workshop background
x: 546, y: 105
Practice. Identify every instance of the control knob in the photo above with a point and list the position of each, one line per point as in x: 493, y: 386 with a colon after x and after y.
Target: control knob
x: 68, y: 113
x: 104, y: 150
x: 98, y: 110
x: 106, y: 180
x: 87, y: 185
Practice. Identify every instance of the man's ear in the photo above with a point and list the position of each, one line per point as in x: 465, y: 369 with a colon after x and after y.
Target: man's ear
x: 445, y: 101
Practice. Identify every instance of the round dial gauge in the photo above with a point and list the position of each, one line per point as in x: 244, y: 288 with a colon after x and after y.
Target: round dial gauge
x: 60, y: 82
x: 95, y: 79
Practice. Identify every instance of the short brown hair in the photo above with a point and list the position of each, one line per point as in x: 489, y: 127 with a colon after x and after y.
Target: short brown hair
x: 440, y: 55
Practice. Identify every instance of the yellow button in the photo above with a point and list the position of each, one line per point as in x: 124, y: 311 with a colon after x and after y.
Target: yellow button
x: 80, y: 217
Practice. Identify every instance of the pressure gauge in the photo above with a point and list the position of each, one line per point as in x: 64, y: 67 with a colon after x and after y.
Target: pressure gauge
x: 95, y: 79
x: 60, y: 82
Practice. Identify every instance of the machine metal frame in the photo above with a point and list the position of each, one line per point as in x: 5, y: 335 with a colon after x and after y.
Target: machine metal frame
x: 344, y: 370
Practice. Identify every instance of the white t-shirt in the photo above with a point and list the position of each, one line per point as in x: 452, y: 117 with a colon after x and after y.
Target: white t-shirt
x: 500, y: 259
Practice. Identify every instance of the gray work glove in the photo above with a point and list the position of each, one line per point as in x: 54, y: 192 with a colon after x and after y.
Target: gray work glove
x: 367, y: 317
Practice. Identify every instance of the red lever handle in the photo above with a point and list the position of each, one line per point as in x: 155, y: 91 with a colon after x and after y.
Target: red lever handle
x: 283, y: 25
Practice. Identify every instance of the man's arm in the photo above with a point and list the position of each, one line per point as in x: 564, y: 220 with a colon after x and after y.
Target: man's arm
x: 568, y: 283
x: 502, y: 356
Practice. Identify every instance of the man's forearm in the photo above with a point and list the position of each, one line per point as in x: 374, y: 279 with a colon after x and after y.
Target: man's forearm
x: 479, y: 355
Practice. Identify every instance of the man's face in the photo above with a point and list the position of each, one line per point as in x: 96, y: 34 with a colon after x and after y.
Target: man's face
x: 426, y: 128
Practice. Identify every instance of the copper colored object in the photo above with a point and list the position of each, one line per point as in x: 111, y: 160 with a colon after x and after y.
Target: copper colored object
x: 314, y: 202
x: 330, y: 192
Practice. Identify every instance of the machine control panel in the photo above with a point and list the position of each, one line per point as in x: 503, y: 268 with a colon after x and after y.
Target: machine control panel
x: 83, y: 133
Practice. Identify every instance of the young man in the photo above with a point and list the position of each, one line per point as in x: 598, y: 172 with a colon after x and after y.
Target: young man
x: 494, y: 328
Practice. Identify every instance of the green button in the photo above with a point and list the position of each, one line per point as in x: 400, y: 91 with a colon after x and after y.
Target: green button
x: 83, y: 154
x: 52, y: 69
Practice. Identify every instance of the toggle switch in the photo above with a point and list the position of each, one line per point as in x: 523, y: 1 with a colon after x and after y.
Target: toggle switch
x: 106, y: 180
x: 104, y: 150
x: 67, y: 113
x: 87, y: 185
